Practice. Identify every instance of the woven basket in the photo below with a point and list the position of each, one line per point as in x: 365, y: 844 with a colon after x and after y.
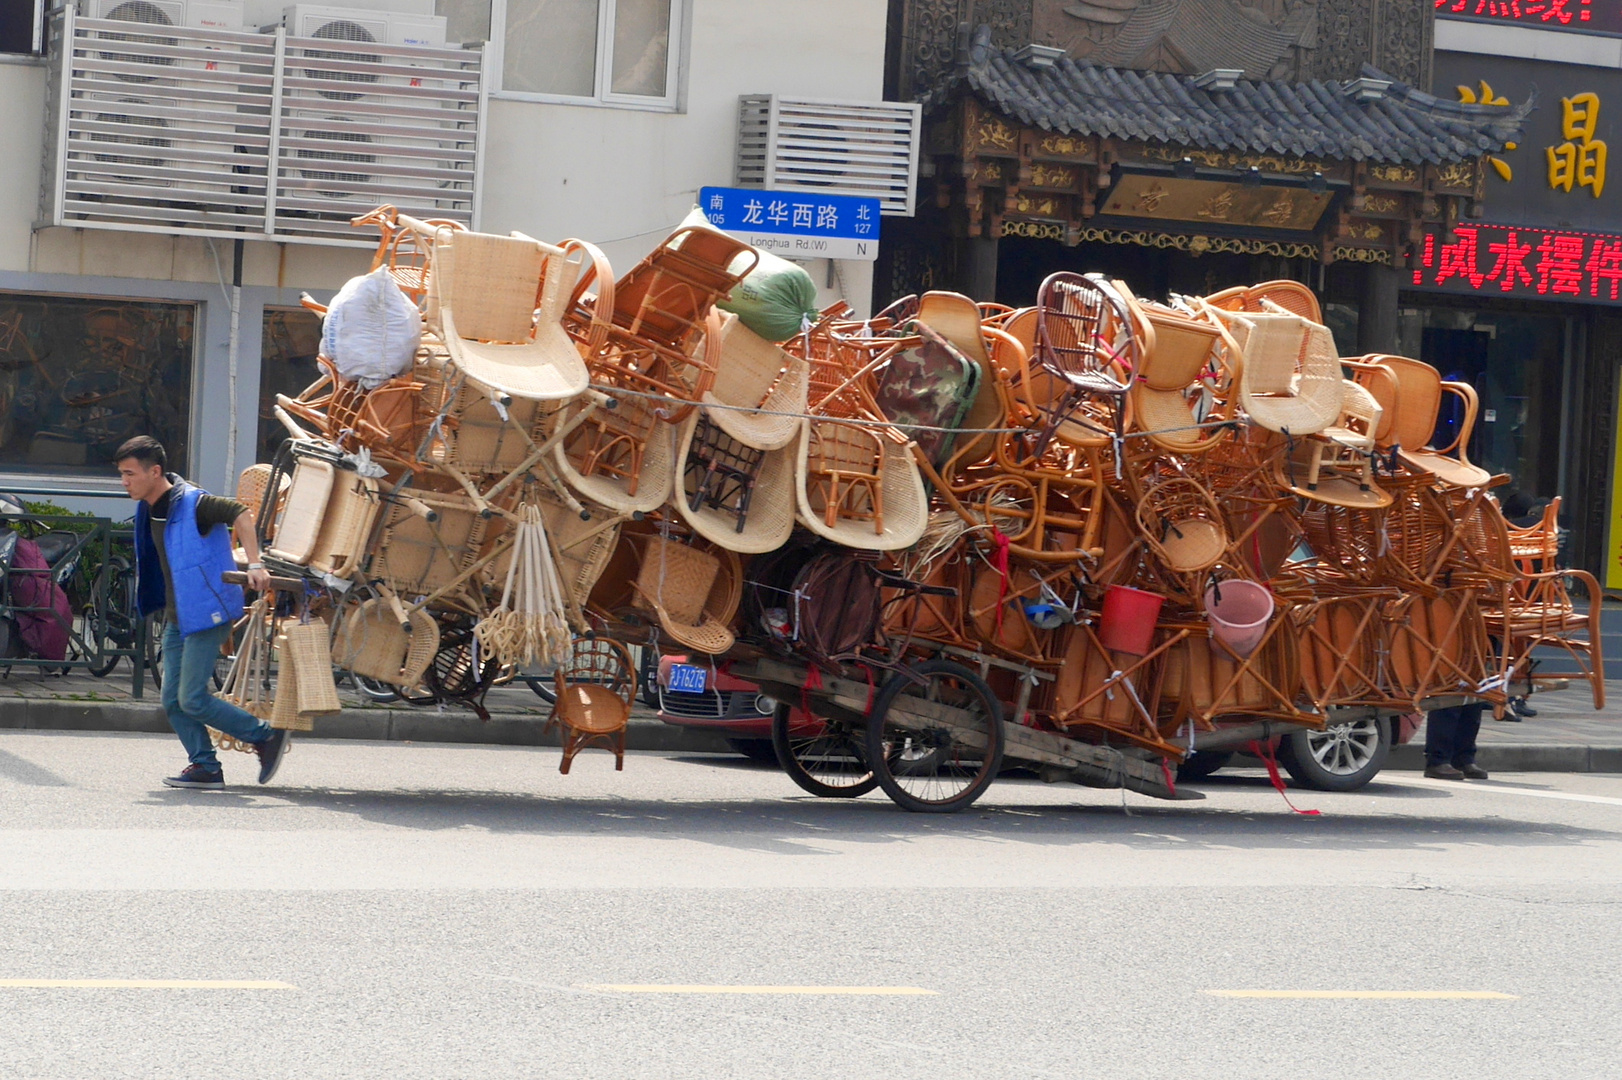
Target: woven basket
x: 307, y: 655
x: 371, y: 642
x: 685, y: 587
x: 285, y: 714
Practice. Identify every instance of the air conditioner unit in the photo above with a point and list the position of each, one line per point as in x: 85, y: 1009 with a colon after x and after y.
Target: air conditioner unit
x: 359, y: 24
x: 201, y: 14
x: 347, y: 160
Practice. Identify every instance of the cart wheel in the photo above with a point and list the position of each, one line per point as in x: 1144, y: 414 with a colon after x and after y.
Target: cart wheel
x: 923, y: 765
x: 825, y: 759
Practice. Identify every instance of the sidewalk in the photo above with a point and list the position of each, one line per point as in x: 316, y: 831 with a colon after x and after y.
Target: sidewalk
x: 1567, y: 735
x: 81, y: 702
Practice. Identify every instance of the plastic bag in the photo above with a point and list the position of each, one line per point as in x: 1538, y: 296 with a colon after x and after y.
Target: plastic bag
x: 774, y: 299
x: 372, y: 330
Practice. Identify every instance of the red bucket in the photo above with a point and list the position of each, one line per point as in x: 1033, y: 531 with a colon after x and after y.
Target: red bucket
x: 1127, y: 623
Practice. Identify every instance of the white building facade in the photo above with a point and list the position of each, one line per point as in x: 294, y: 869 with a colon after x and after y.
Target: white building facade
x: 170, y: 191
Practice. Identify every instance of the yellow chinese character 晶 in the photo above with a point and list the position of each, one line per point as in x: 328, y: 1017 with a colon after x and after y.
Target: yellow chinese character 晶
x: 1580, y: 161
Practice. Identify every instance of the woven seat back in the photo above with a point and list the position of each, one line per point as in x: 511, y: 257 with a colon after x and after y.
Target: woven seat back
x: 678, y: 578
x: 493, y: 287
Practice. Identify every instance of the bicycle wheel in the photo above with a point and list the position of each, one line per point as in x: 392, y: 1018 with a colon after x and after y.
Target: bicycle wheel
x: 100, y: 637
x: 113, y: 625
x: 935, y: 737
x: 374, y: 689
x: 825, y: 758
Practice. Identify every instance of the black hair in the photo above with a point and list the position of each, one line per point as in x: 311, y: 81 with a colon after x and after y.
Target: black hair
x: 145, y: 449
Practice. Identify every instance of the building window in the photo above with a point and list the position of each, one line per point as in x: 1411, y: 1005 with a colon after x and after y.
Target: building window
x: 22, y: 26
x: 288, y: 343
x: 79, y: 376
x: 614, y: 51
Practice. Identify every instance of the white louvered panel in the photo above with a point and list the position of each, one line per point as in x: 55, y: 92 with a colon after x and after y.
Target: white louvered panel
x: 836, y: 147
x: 179, y: 130
x: 165, y: 129
x: 363, y: 124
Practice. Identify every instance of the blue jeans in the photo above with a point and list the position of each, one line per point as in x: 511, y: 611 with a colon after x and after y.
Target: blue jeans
x: 188, y: 698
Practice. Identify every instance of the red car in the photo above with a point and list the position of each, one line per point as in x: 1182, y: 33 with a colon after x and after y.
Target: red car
x: 728, y: 706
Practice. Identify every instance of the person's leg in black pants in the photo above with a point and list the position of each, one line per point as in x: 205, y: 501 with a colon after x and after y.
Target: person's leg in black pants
x: 1441, y: 728
x: 1465, y: 730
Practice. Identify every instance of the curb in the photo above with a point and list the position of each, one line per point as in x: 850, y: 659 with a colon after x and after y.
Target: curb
x: 646, y: 732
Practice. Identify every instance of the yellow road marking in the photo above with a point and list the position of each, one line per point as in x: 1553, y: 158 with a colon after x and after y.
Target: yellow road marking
x: 679, y: 988
x: 1423, y: 995
x: 145, y: 984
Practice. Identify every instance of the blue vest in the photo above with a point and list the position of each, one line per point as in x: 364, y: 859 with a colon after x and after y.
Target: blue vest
x: 202, y: 600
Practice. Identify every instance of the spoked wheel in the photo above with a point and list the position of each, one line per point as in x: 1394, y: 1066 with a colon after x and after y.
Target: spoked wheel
x: 825, y: 758
x: 935, y: 737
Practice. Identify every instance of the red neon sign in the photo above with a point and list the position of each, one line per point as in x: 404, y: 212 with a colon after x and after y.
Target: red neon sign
x: 1493, y: 260
x: 1553, y: 14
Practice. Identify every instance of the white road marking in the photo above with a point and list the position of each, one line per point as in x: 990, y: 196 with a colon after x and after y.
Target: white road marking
x: 1487, y: 787
x: 1423, y: 995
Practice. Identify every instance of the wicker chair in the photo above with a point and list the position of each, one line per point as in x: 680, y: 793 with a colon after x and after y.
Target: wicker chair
x: 1418, y: 401
x: 500, y: 303
x: 1183, y: 525
x: 1289, y: 295
x: 1292, y: 381
x: 596, y: 686
x: 1077, y: 341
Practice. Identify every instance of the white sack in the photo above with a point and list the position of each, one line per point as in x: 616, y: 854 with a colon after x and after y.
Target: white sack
x: 372, y: 330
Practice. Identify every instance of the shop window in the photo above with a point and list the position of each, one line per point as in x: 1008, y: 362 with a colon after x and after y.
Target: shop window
x: 611, y: 51
x: 289, y: 341
x: 79, y: 376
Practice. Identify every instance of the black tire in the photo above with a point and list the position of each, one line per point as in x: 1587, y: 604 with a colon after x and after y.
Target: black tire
x: 647, y: 677
x: 1202, y: 763
x: 374, y: 689
x: 99, y: 634
x: 1342, y: 757
x: 152, y: 644
x: 830, y: 764
x: 544, y: 687
x: 936, y: 770
x: 760, y: 750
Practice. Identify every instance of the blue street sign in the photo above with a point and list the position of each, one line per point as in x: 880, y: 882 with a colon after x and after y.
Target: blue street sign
x: 795, y: 224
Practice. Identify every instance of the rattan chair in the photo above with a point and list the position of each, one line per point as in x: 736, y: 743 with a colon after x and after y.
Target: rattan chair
x: 500, y: 302
x: 1418, y: 402
x: 1182, y: 524
x: 733, y: 494
x: 596, y: 686
x: 1292, y: 381
x: 678, y: 583
x: 757, y: 374
x: 1290, y: 295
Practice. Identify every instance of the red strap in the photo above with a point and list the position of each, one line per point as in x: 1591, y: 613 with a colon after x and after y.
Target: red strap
x: 1171, y: 785
x: 1000, y: 561
x: 1272, y: 774
x: 867, y: 710
x: 813, y: 681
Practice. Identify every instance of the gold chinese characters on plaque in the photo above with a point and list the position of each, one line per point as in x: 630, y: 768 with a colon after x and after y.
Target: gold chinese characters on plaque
x: 1211, y: 202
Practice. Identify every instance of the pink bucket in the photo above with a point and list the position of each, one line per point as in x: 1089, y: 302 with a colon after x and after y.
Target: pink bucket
x: 1238, y: 612
x: 1127, y: 622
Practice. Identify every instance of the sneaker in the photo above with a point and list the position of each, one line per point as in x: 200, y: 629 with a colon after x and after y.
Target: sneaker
x: 270, y: 754
x: 1522, y: 709
x: 1474, y: 772
x: 1443, y: 772
x: 196, y: 776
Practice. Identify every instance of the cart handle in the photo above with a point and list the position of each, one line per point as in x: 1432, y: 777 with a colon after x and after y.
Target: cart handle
x: 282, y: 584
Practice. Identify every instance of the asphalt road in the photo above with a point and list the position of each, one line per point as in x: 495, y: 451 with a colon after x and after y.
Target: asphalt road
x: 401, y: 911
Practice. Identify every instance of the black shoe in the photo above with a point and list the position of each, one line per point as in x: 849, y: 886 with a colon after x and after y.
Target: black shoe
x: 1474, y: 772
x: 270, y: 754
x: 1443, y: 772
x: 196, y: 776
x: 1512, y: 713
x: 1523, y: 710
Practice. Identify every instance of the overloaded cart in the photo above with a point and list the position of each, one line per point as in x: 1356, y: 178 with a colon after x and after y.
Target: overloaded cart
x: 1091, y: 536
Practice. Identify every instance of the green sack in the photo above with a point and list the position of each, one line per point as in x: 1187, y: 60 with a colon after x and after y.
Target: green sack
x: 774, y: 299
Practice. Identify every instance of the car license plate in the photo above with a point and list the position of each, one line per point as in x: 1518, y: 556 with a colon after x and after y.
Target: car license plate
x: 687, y: 678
